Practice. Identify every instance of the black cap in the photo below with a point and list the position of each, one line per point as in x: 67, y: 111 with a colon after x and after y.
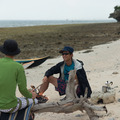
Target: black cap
x: 10, y: 47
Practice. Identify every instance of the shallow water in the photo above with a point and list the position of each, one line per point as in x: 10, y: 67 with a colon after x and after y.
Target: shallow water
x: 19, y: 23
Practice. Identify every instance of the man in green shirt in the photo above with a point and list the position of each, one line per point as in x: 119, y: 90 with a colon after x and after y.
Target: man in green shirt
x: 11, y: 75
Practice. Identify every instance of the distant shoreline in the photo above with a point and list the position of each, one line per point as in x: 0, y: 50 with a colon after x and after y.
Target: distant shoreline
x: 40, y: 41
x: 22, y: 23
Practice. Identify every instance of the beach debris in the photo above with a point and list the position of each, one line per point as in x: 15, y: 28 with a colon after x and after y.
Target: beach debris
x: 103, y: 97
x: 108, y: 84
x: 104, y: 89
x: 87, y: 51
x: 107, y: 87
x: 107, y: 95
x: 71, y: 103
x: 115, y: 73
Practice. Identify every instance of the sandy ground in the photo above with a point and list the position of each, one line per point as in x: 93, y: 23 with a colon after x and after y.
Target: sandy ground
x: 100, y: 66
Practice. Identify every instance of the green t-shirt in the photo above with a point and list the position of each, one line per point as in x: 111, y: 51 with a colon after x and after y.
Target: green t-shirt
x: 11, y: 75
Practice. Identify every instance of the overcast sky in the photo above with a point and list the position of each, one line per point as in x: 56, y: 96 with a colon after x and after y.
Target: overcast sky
x: 56, y: 9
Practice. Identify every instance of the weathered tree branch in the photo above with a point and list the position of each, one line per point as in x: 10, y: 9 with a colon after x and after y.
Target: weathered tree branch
x: 72, y: 102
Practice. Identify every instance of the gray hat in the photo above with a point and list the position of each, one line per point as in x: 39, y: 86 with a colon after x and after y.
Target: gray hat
x: 10, y: 47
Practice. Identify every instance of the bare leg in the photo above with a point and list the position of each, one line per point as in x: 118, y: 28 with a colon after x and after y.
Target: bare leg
x: 44, y: 85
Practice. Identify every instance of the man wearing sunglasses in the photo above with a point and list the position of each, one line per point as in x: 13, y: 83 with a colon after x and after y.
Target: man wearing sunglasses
x: 63, y: 68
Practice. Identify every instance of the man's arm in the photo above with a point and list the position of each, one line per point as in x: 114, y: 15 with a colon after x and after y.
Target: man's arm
x: 54, y: 70
x: 22, y: 84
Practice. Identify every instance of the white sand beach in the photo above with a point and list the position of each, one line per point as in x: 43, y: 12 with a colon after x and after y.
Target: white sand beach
x: 101, y: 65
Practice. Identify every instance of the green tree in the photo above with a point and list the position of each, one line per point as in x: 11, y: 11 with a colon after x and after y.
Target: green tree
x: 117, y: 8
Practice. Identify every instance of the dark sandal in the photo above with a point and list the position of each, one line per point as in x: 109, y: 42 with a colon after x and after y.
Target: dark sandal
x: 42, y: 99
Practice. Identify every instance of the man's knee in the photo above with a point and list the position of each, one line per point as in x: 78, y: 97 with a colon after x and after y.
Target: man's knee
x: 53, y: 80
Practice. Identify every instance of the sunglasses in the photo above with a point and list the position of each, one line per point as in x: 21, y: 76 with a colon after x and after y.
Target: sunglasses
x: 65, y: 53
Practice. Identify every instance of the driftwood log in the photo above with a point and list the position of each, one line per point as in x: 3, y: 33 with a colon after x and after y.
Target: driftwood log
x: 71, y: 103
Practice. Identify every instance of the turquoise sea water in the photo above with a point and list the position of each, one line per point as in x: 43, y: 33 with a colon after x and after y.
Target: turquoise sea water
x: 20, y: 23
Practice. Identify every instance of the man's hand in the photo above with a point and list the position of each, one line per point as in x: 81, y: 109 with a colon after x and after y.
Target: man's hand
x: 33, y: 94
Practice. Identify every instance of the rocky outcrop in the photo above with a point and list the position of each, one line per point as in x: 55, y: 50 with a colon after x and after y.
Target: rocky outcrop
x: 115, y: 15
x: 101, y: 97
x: 105, y: 96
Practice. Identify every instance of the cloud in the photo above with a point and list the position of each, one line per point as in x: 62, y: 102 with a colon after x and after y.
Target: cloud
x: 56, y: 9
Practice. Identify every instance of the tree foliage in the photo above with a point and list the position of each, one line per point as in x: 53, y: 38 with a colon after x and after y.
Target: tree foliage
x: 117, y: 8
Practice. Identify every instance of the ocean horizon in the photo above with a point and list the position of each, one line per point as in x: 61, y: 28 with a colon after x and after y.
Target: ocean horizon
x: 22, y: 23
